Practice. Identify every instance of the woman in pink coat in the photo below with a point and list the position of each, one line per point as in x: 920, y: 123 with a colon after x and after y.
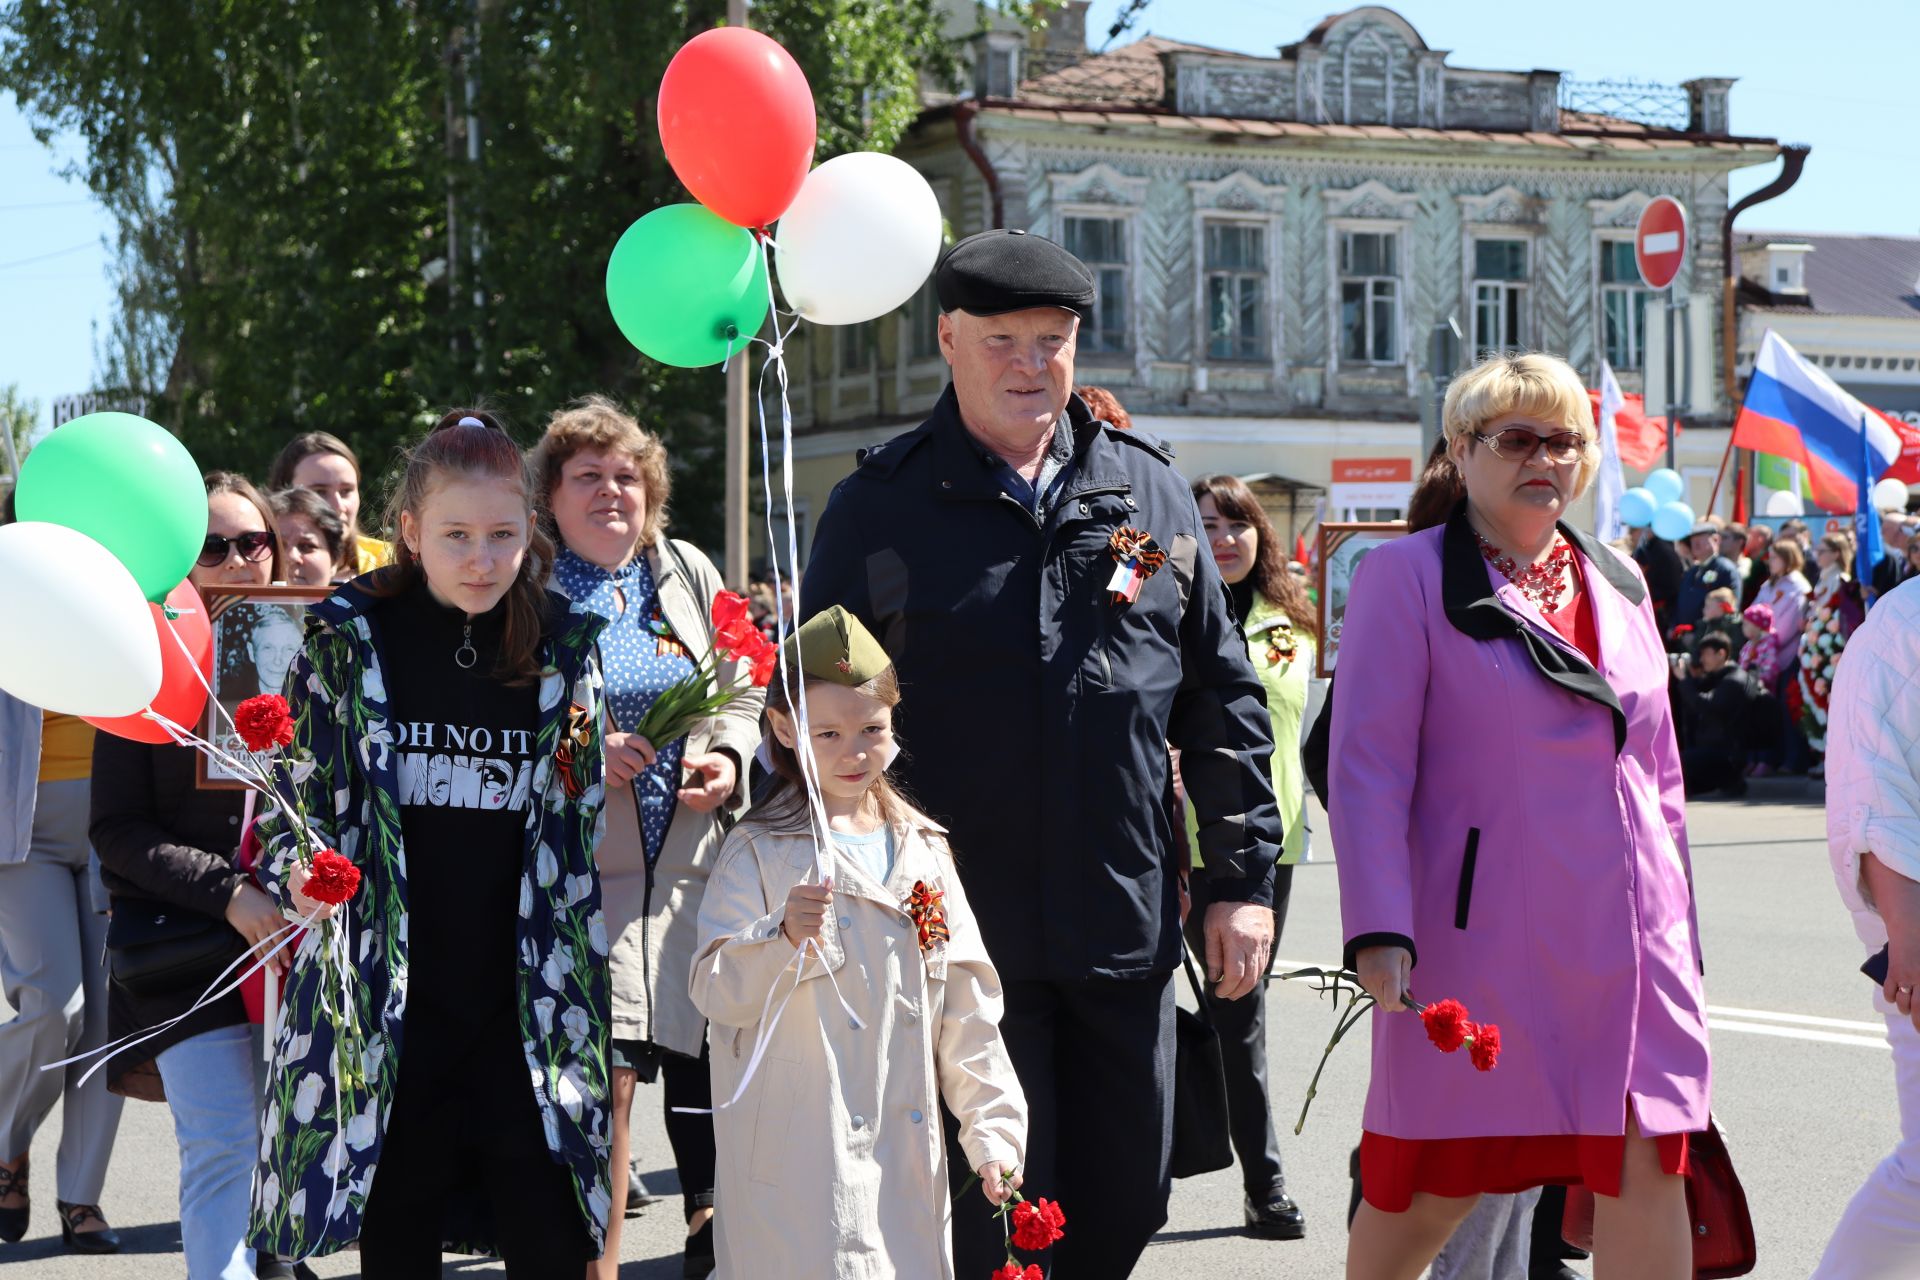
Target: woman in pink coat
x: 1506, y: 805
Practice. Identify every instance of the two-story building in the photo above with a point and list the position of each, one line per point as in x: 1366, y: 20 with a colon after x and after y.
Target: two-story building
x: 1277, y: 239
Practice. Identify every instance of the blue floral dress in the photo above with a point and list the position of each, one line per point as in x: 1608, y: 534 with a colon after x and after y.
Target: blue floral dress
x: 640, y: 659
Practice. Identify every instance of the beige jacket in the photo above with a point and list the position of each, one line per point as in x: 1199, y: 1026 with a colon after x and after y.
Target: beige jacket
x: 833, y: 1163
x: 652, y: 935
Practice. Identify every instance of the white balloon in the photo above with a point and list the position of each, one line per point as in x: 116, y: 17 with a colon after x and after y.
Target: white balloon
x: 1782, y: 503
x: 76, y: 635
x: 859, y: 239
x: 1890, y: 495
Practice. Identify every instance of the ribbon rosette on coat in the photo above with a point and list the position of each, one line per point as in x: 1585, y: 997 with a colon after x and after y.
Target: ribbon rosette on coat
x: 1446, y: 1023
x: 700, y: 696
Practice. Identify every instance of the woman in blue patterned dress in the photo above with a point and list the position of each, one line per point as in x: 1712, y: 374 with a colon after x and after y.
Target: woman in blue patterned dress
x: 606, y: 484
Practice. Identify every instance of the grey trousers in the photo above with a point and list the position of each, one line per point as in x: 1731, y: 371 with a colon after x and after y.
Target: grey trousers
x: 1494, y: 1243
x: 53, y: 973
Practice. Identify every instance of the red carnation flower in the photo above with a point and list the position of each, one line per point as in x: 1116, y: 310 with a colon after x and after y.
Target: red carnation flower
x: 731, y: 620
x: 1037, y: 1224
x: 264, y: 722
x: 331, y: 877
x: 764, y: 661
x: 1014, y: 1271
x: 1447, y: 1024
x: 1485, y: 1050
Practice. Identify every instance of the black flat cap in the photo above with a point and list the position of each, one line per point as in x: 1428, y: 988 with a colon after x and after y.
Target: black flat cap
x: 1000, y: 271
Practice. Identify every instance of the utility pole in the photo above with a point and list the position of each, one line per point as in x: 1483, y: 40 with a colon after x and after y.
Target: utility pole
x: 737, y: 446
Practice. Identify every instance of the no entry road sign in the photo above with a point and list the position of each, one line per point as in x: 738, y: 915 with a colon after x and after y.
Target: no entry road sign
x: 1660, y: 241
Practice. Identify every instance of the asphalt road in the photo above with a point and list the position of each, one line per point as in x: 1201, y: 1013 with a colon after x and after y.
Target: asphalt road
x: 1803, y: 1086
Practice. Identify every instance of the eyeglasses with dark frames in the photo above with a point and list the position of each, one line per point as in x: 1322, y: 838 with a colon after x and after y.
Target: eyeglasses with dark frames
x: 1517, y: 444
x: 255, y: 546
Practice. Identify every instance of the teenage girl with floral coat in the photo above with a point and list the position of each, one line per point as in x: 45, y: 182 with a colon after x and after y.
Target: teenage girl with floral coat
x: 451, y: 708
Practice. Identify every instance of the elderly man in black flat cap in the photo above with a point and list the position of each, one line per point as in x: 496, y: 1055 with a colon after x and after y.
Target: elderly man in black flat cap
x: 1041, y: 580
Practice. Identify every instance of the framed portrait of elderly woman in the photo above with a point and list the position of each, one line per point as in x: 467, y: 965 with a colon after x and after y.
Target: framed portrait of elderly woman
x: 257, y: 634
x: 1342, y: 548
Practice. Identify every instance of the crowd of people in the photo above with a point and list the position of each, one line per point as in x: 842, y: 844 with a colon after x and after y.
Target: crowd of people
x: 897, y: 1028
x: 1756, y: 623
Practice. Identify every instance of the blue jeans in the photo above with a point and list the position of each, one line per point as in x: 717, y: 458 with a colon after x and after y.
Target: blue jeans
x: 210, y: 1089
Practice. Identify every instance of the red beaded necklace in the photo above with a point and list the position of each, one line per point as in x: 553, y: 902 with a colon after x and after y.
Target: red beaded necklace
x: 1542, y: 583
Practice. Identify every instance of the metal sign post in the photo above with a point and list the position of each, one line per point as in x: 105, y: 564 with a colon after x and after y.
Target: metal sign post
x: 1660, y: 251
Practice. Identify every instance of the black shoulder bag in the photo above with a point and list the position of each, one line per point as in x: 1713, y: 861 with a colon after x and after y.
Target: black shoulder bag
x: 157, y: 948
x: 1201, y: 1140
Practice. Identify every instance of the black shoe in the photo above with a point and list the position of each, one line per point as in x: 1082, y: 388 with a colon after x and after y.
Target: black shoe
x: 13, y: 1222
x: 72, y: 1216
x: 699, y: 1258
x: 1555, y: 1271
x: 1276, y: 1218
x: 638, y: 1197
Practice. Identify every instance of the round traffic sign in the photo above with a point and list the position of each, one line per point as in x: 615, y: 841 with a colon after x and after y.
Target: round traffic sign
x: 1660, y: 241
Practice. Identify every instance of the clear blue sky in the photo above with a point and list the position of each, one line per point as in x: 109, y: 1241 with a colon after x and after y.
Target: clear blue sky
x: 1835, y: 75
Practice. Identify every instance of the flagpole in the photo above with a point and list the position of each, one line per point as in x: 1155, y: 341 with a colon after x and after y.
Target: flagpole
x: 1720, y: 474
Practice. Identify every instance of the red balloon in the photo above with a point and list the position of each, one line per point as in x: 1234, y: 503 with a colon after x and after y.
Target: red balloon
x: 737, y: 120
x: 183, y: 695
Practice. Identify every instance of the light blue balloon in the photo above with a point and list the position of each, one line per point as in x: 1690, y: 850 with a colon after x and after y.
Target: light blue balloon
x: 1666, y: 486
x: 1673, y: 521
x: 1637, y: 507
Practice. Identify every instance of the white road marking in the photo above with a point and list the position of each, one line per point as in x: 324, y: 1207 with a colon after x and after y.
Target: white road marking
x: 1797, y: 1033
x: 1758, y: 1022
x: 1801, y: 1019
x: 1660, y: 242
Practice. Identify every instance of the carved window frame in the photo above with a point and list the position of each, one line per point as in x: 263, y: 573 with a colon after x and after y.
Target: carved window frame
x: 1125, y: 215
x: 1506, y: 213
x: 1360, y: 209
x: 1241, y: 198
x: 1102, y: 191
x: 1613, y: 221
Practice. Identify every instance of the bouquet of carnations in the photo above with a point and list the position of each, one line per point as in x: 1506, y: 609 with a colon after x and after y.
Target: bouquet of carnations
x: 265, y: 725
x: 1029, y: 1225
x: 701, y: 695
x: 1446, y: 1023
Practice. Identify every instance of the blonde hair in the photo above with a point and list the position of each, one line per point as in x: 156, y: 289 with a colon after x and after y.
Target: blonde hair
x: 1723, y: 595
x: 1540, y: 386
x: 596, y: 422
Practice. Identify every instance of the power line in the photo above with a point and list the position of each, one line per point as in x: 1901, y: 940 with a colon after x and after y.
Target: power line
x: 57, y: 253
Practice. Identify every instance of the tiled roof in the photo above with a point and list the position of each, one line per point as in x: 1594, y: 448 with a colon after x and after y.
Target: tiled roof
x: 1845, y: 275
x: 1128, y: 86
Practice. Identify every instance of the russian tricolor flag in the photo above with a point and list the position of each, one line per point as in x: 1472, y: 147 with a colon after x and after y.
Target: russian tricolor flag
x: 1795, y: 411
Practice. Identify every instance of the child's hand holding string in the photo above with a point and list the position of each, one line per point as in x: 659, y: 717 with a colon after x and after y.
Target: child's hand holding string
x: 998, y: 1183
x: 806, y: 911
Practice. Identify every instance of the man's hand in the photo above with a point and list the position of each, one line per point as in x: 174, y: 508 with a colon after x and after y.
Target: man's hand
x: 713, y: 784
x: 998, y: 1183
x: 1239, y: 943
x: 1384, y: 971
x: 628, y: 756
x: 1897, y: 899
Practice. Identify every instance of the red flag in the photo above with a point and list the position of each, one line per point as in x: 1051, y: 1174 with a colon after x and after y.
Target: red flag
x: 1300, y: 553
x: 1740, y: 494
x: 1907, y: 466
x: 1641, y: 440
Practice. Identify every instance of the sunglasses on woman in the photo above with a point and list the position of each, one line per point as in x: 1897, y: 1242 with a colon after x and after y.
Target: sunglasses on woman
x: 1517, y: 444
x: 254, y: 546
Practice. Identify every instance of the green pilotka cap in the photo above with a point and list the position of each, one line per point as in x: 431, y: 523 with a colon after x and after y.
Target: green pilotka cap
x: 834, y: 645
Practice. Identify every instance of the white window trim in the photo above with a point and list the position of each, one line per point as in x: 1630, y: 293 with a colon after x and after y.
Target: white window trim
x: 1238, y: 197
x: 1402, y: 229
x: 838, y: 379
x: 1202, y: 357
x: 1602, y: 237
x: 1129, y: 230
x: 1471, y: 234
x: 906, y: 364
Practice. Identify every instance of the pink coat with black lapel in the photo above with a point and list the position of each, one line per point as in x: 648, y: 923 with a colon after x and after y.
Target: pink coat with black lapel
x: 1515, y: 818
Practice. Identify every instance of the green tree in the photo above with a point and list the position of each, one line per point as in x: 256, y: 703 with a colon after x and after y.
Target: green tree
x: 345, y: 217
x: 19, y: 418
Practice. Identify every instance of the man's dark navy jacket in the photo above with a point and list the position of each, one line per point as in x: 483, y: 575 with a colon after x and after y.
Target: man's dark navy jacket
x: 1035, y: 711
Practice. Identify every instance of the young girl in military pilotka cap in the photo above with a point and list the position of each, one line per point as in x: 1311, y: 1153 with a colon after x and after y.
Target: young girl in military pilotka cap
x: 831, y: 1159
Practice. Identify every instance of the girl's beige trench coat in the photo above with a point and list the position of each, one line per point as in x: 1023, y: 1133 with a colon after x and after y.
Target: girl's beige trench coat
x: 833, y: 1162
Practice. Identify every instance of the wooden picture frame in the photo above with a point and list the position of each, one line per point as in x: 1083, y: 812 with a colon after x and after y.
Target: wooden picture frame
x: 244, y: 663
x: 1341, y: 548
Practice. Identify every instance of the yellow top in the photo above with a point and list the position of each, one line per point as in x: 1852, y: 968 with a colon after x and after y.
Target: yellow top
x: 66, y: 747
x: 370, y: 553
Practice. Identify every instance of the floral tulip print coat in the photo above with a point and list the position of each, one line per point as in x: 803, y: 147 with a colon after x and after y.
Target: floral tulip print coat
x: 319, y: 1149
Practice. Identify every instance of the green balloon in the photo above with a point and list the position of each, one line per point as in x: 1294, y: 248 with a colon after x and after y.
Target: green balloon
x: 127, y: 484
x: 687, y: 287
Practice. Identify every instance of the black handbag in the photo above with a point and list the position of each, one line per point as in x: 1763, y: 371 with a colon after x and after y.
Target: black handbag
x: 158, y: 949
x: 1201, y: 1141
